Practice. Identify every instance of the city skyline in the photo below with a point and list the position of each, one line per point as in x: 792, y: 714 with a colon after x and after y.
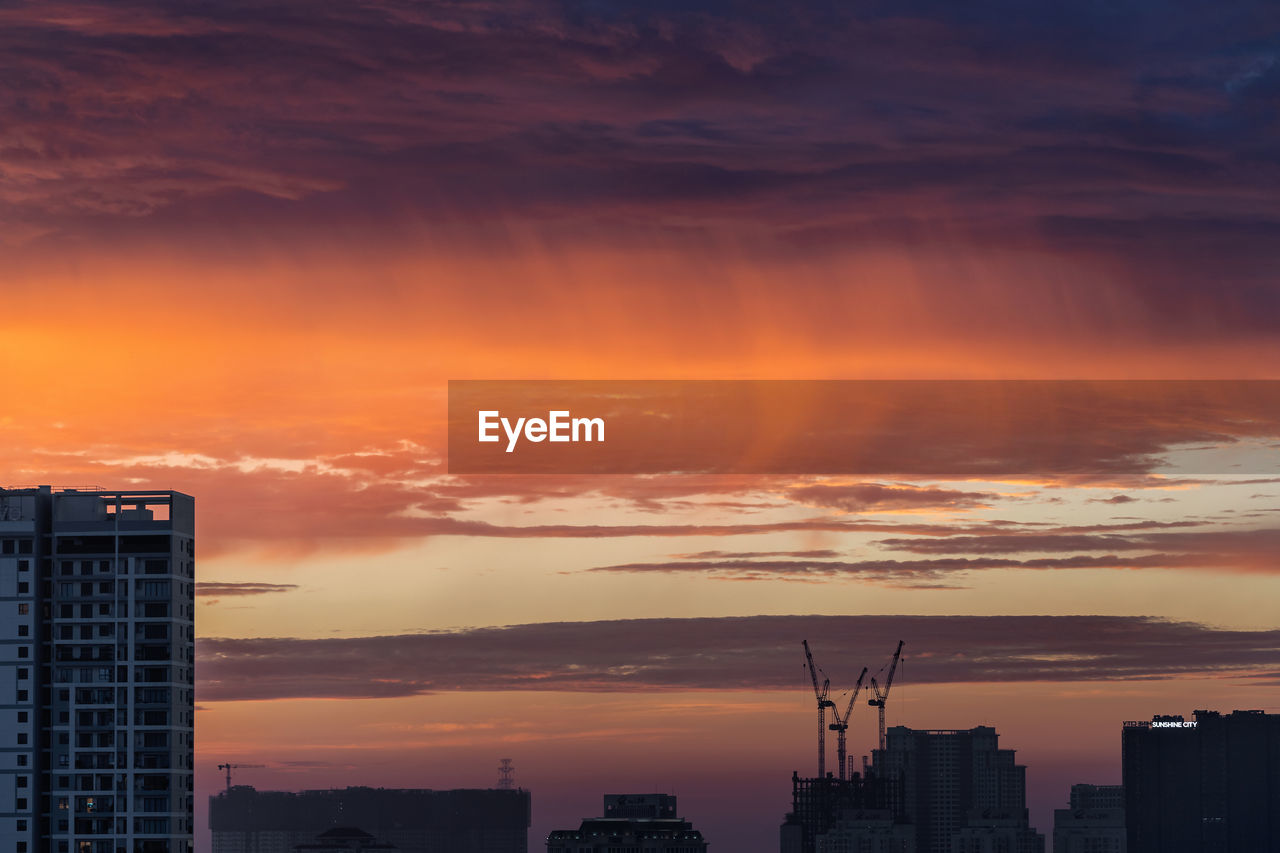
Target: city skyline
x: 245, y: 247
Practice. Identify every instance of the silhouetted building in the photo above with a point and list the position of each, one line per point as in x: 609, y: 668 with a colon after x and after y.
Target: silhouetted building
x: 1097, y: 797
x: 818, y: 804
x: 960, y: 791
x: 244, y: 820
x: 636, y: 823
x: 641, y: 806
x: 344, y: 839
x: 1094, y: 823
x: 1208, y: 785
x: 867, y: 831
x: 97, y: 650
x: 996, y: 831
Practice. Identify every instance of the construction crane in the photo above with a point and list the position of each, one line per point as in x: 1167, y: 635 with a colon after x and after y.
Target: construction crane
x: 841, y: 725
x: 230, y: 767
x: 823, y: 704
x: 882, y: 695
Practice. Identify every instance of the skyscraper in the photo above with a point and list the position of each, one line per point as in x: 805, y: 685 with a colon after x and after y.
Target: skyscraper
x: 1208, y: 785
x: 97, y: 680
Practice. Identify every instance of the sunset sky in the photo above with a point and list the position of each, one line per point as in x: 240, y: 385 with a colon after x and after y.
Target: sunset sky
x: 244, y: 246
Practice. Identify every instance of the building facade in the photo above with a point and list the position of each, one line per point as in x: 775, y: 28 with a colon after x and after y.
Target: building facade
x: 1094, y: 822
x: 245, y: 820
x: 635, y: 823
x: 97, y: 670
x: 1206, y: 785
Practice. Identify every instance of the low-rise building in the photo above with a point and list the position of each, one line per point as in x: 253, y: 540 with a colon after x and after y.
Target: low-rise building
x: 637, y: 823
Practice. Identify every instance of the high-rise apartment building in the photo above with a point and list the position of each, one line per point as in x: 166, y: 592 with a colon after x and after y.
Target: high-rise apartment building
x: 959, y: 790
x: 97, y: 681
x: 1207, y: 785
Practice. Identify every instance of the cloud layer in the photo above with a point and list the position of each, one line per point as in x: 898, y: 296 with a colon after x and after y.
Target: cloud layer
x: 746, y: 653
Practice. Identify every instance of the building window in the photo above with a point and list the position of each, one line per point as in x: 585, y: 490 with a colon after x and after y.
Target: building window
x: 23, y: 587
x: 22, y: 737
x: 20, y: 804
x: 22, y: 696
x: 24, y: 565
x: 22, y: 716
x: 24, y: 651
x: 23, y: 674
x: 22, y: 781
x: 24, y: 608
x: 24, y: 630
x: 22, y: 760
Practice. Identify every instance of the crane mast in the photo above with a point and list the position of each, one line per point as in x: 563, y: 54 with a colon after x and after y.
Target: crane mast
x: 820, y: 693
x: 882, y: 695
x: 841, y: 725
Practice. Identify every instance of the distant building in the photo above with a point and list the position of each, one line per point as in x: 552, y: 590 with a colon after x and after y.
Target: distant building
x: 97, y: 666
x: 1094, y: 823
x: 244, y: 820
x: 1208, y: 785
x: 636, y: 823
x: 961, y: 792
x: 344, y: 839
x: 1097, y: 797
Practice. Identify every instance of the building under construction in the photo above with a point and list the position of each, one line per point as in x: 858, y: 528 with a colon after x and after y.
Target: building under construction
x: 245, y: 820
x: 817, y: 805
